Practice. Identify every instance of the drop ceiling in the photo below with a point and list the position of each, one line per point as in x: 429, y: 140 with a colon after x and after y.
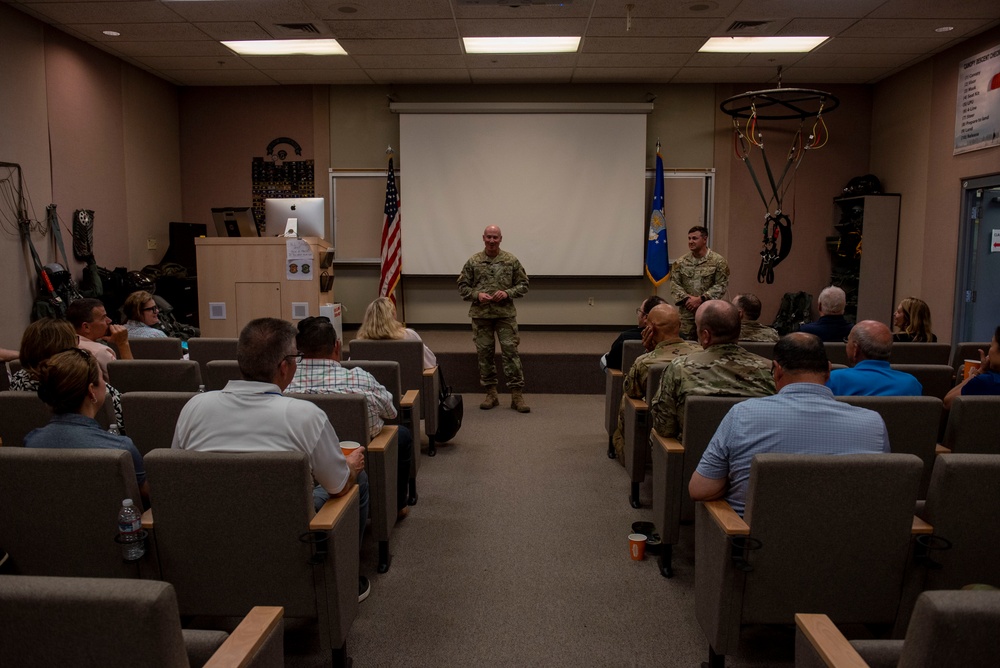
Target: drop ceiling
x: 419, y: 41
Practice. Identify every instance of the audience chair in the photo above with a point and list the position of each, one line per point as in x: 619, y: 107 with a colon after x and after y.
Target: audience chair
x: 828, y: 534
x: 113, y: 623
x: 152, y: 417
x: 204, y: 350
x: 635, y: 433
x: 912, y: 423
x: 154, y: 375
x: 921, y: 353
x: 949, y: 629
x: 5, y: 374
x: 220, y: 372
x: 422, y: 386
x: 762, y: 348
x: 156, y: 349
x: 84, y: 489
x: 236, y: 530
x: 973, y: 425
x: 386, y: 373
x: 936, y: 379
x: 836, y: 352
x: 674, y: 463
x: 348, y: 414
x: 968, y: 350
x: 24, y: 412
x: 613, y: 379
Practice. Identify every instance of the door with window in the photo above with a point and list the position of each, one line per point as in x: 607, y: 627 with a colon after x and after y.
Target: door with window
x: 978, y: 301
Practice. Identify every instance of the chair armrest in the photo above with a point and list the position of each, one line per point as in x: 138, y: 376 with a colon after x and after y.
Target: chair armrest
x: 828, y: 642
x: 669, y: 445
x: 941, y: 450
x: 615, y: 373
x: 246, y: 640
x: 430, y: 371
x: 920, y: 527
x: 410, y: 399
x: 147, y: 519
x: 727, y: 518
x: 330, y: 513
x: 381, y: 440
x: 638, y: 405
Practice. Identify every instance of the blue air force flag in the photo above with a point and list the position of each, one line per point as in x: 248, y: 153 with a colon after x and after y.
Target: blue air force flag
x: 657, y: 259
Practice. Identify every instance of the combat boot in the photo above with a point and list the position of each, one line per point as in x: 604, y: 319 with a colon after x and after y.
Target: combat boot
x: 517, y: 401
x: 491, y: 399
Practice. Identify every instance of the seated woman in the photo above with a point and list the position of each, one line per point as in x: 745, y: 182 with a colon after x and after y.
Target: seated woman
x: 982, y: 380
x: 41, y: 340
x: 141, y: 313
x: 380, y: 323
x: 913, y: 320
x: 71, y: 383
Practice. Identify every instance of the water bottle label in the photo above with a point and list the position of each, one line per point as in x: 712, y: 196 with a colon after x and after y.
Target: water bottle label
x: 130, y: 527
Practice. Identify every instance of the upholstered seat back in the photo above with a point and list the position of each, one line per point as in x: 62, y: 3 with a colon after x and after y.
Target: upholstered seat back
x: 920, y: 353
x: 348, y: 413
x: 388, y: 375
x: 953, y: 629
x: 155, y: 375
x: 936, y: 379
x: 220, y: 372
x: 834, y: 535
x: 408, y: 354
x: 762, y: 348
x: 204, y: 350
x: 152, y: 417
x: 22, y: 412
x: 156, y: 349
x: 702, y: 416
x: 973, y: 425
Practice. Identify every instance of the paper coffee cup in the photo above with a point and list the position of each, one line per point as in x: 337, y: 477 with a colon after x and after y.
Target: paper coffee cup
x: 968, y: 367
x: 637, y: 546
x: 347, y: 447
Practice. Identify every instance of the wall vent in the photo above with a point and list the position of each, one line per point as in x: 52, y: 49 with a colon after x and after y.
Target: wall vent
x: 747, y: 26
x: 304, y: 29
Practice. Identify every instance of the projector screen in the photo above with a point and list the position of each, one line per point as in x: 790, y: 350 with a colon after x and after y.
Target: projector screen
x: 566, y: 189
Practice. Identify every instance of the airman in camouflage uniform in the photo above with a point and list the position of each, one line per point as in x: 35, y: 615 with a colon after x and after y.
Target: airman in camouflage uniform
x: 721, y: 369
x: 697, y: 277
x: 491, y: 280
x: 662, y: 331
x: 749, y: 307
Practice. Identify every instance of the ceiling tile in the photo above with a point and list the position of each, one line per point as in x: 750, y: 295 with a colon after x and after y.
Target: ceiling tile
x: 152, y: 48
x: 923, y: 28
x: 819, y: 75
x: 394, y: 29
x: 652, y: 27
x: 390, y: 62
x: 210, y: 78
x: 380, y: 9
x: 222, y: 64
x: 107, y: 12
x: 523, y: 75
x: 724, y: 74
x: 618, y: 60
x: 849, y: 60
x: 318, y: 76
x: 956, y: 9
x: 626, y: 74
x: 302, y: 62
x: 666, y: 8
x: 264, y: 11
x: 784, y: 9
x: 884, y: 45
x: 233, y: 30
x: 419, y: 76
x: 135, y: 32
x: 520, y: 28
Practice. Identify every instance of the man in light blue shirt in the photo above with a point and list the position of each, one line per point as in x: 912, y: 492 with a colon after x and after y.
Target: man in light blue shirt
x: 802, y: 418
x: 868, y: 347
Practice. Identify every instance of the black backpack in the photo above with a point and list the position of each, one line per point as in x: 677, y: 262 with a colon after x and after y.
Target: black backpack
x: 450, y: 412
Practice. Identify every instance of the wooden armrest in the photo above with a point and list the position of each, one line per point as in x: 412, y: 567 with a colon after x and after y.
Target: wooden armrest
x: 616, y: 373
x: 941, y: 450
x: 829, y: 643
x: 920, y: 527
x: 331, y: 511
x: 381, y: 440
x: 727, y: 519
x: 638, y: 405
x: 147, y: 519
x: 410, y: 399
x: 246, y: 640
x: 670, y: 445
x: 430, y: 371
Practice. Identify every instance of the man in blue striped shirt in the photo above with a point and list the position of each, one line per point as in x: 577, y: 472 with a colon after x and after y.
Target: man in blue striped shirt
x: 802, y: 418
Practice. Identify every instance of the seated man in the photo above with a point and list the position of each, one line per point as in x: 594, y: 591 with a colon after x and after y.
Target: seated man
x: 94, y: 328
x: 663, y: 333
x: 803, y: 418
x: 982, y: 380
x: 832, y: 326
x: 749, y: 307
x: 251, y: 415
x: 722, y: 369
x: 868, y: 347
x: 613, y: 358
x: 320, y: 372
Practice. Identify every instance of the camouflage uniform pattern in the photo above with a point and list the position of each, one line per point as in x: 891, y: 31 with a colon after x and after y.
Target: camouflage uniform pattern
x: 495, y: 320
x: 751, y: 330
x: 690, y: 276
x: 634, y: 383
x: 723, y: 370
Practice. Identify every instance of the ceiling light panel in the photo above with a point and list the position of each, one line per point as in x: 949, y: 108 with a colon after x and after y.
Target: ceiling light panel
x: 521, y: 44
x: 286, y: 47
x: 761, y: 44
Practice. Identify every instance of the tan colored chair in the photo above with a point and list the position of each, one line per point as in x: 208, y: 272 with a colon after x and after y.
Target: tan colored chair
x: 154, y: 375
x: 674, y: 463
x: 24, y: 412
x: 348, y: 414
x: 967, y: 350
x: 836, y: 352
x: 762, y: 348
x: 152, y: 417
x: 920, y: 353
x: 82, y: 490
x: 636, y: 424
x: 973, y: 425
x: 828, y: 534
x: 613, y: 379
x: 204, y: 350
x: 220, y: 372
x: 236, y: 530
x: 936, y: 379
x: 949, y: 629
x: 156, y: 349
x: 113, y: 623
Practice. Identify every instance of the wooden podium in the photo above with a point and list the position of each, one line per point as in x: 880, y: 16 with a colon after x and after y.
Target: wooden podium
x: 240, y: 279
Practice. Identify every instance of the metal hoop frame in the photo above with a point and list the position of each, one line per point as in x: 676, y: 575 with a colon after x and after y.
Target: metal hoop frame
x: 777, y: 104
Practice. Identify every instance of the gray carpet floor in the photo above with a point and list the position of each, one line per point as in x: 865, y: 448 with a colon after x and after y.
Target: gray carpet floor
x: 516, y: 555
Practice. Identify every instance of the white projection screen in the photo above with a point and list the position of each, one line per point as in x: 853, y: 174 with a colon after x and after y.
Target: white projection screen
x: 566, y: 189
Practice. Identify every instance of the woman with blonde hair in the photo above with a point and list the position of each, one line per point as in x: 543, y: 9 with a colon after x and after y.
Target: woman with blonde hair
x: 141, y: 313
x: 913, y: 320
x: 380, y: 323
x: 71, y: 383
x: 41, y: 340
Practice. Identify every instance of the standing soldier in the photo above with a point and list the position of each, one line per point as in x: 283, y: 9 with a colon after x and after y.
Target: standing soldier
x: 698, y: 276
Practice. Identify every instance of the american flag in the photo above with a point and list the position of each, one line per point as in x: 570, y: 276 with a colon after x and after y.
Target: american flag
x: 391, y: 239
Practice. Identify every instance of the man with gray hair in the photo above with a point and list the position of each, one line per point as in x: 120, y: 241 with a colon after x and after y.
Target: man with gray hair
x: 831, y: 326
x: 868, y: 347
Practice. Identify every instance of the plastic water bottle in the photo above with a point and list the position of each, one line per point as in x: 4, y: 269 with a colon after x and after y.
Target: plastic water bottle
x: 115, y: 429
x: 129, y: 528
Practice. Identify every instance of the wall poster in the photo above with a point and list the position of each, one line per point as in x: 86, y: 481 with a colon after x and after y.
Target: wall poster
x: 977, y: 109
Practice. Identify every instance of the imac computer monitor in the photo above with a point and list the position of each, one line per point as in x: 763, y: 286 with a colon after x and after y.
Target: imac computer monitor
x: 235, y: 221
x: 308, y: 211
